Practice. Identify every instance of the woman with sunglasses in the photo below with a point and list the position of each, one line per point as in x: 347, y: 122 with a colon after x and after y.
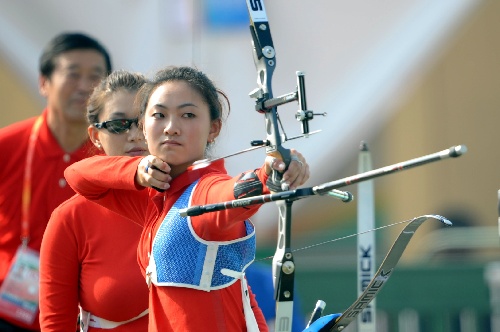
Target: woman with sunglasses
x: 88, y: 258
x: 194, y: 265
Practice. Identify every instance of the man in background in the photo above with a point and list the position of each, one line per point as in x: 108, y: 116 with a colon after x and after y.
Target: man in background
x: 34, y: 154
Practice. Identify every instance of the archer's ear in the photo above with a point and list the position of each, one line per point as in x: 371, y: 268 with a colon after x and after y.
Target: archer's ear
x: 94, y: 136
x: 215, y: 127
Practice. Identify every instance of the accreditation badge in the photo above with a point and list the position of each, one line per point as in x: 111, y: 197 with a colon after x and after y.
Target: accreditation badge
x: 19, y: 291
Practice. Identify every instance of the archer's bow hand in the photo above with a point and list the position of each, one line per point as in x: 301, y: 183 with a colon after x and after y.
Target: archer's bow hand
x: 295, y: 175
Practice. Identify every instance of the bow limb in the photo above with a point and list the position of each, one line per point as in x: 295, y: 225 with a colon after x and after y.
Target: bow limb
x: 264, y: 56
x: 337, y: 324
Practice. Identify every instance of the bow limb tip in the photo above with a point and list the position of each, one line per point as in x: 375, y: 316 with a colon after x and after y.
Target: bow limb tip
x: 442, y: 219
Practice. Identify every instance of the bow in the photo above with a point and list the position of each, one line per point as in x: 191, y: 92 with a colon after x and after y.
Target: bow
x: 283, y: 269
x: 283, y: 262
x: 264, y: 56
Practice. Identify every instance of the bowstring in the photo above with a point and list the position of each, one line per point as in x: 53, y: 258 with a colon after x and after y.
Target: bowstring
x: 338, y: 239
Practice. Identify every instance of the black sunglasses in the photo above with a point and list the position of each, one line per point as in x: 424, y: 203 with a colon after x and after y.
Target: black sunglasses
x: 117, y: 126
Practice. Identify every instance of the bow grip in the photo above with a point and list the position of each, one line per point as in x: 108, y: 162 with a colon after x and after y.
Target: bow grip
x: 274, y: 181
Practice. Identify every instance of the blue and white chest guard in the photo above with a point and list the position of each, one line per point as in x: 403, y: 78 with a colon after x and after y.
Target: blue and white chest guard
x: 180, y: 258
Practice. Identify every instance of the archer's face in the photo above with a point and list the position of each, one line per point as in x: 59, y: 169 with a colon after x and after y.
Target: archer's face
x: 177, y: 125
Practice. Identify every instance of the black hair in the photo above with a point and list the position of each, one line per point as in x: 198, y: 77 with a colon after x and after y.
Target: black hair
x: 67, y: 42
x: 196, y: 80
x: 116, y: 81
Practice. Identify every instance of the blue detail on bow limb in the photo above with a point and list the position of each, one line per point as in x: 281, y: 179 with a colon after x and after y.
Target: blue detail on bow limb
x: 323, y: 322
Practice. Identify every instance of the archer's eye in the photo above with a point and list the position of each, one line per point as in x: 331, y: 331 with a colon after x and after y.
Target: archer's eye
x: 157, y: 115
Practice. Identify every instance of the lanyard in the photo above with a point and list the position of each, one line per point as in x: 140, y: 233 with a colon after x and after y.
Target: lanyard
x: 26, y: 199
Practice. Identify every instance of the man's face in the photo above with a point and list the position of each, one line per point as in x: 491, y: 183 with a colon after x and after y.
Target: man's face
x: 75, y: 75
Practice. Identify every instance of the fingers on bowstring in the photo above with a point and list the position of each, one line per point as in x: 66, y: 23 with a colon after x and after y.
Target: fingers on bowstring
x: 156, y: 172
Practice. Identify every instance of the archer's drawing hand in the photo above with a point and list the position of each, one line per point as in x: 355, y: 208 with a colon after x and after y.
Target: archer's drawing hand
x: 153, y: 172
x: 296, y: 174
